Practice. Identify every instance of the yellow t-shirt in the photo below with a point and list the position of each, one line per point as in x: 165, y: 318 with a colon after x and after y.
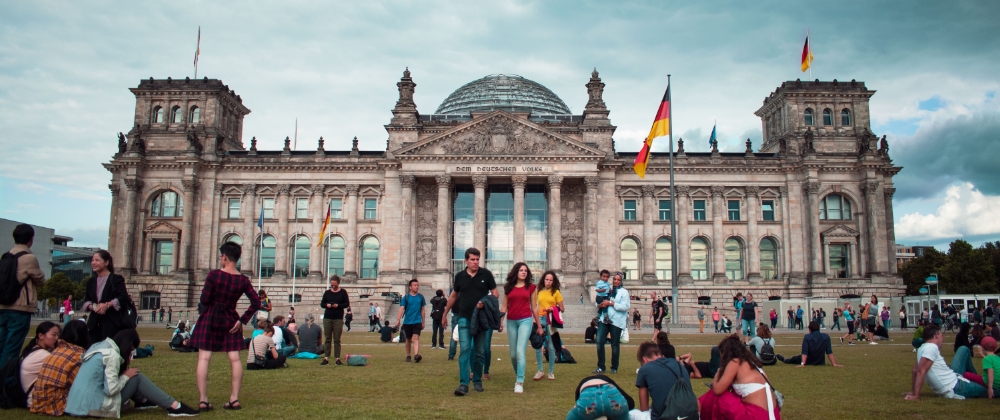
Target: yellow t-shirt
x: 547, y: 299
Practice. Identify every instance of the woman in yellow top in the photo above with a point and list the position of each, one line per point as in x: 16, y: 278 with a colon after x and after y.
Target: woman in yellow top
x: 548, y: 297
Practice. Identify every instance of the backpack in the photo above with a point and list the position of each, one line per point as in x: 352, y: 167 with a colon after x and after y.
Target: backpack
x: 767, y: 353
x: 12, y: 395
x: 129, y: 317
x: 10, y: 288
x: 681, y: 401
x: 357, y: 360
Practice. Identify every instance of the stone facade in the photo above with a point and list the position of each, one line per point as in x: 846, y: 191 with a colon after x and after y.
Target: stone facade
x: 819, y: 192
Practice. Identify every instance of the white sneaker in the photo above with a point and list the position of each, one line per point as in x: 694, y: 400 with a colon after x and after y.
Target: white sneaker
x: 874, y: 343
x: 518, y: 388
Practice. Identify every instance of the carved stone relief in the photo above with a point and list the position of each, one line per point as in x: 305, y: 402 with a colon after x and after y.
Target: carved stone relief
x: 571, y: 198
x: 426, y: 241
x: 502, y: 136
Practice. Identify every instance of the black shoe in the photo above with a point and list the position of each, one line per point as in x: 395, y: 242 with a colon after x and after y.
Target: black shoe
x: 407, y: 359
x: 462, y: 390
x: 338, y: 362
x: 779, y: 357
x: 324, y: 362
x: 478, y: 386
x: 144, y: 405
x: 417, y: 358
x: 614, y: 371
x: 451, y: 357
x: 183, y: 411
x: 598, y: 370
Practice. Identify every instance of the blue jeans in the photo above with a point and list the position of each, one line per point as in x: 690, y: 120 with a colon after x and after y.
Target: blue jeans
x: 452, y: 343
x: 888, y: 324
x: 548, y: 343
x: 286, y: 351
x: 487, y: 352
x: 518, y: 332
x: 599, y: 401
x: 748, y: 328
x: 472, y: 353
x: 14, y: 326
x: 961, y: 363
x: 602, y: 338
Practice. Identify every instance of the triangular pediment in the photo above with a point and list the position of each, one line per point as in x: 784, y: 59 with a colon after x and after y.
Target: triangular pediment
x: 162, y: 228
x: 499, y: 134
x: 840, y: 231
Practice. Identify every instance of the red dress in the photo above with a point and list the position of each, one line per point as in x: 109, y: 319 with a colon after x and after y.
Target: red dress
x: 221, y: 293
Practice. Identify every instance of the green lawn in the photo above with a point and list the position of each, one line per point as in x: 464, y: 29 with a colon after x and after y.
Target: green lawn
x: 870, y: 386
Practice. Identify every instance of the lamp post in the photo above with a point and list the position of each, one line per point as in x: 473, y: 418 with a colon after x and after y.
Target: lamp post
x: 932, y: 280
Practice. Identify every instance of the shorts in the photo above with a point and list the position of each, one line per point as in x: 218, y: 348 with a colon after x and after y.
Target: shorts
x: 658, y: 324
x: 410, y: 330
x: 850, y: 327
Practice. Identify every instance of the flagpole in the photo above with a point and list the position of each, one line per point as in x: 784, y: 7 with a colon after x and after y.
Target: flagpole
x: 809, y: 42
x: 296, y: 146
x: 197, y: 52
x: 295, y: 251
x: 260, y: 252
x: 673, y: 210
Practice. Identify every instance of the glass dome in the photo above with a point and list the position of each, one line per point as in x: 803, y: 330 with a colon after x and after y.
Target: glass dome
x: 507, y: 92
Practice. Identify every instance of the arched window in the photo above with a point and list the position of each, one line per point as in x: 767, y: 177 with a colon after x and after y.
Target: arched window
x: 335, y: 256
x: 768, y: 259
x: 176, y: 115
x: 236, y: 239
x: 194, y: 117
x: 699, y: 259
x: 158, y: 115
x: 369, y: 258
x: 300, y: 256
x: 827, y: 117
x: 845, y: 117
x: 808, y: 116
x: 734, y: 259
x: 835, y: 207
x: 630, y: 258
x: 167, y: 204
x: 265, y: 257
x: 664, y: 260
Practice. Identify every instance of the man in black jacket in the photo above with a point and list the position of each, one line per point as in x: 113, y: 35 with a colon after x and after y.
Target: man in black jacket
x: 471, y: 285
x: 335, y: 300
x: 438, y: 302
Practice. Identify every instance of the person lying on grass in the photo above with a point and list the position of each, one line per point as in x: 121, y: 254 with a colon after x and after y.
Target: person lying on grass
x: 957, y: 381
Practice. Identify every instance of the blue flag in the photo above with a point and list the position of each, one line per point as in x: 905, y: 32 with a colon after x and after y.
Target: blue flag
x: 260, y: 221
x: 711, y: 140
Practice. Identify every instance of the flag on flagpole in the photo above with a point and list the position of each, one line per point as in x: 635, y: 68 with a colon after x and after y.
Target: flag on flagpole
x: 712, y: 140
x: 322, y: 232
x: 807, y: 55
x: 661, y: 127
x: 197, y: 51
x: 260, y: 220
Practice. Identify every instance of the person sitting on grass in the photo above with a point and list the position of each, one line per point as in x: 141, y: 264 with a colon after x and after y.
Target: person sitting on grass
x: 311, y: 336
x: 991, y: 362
x: 740, y: 389
x: 757, y: 343
x: 386, y: 332
x: 955, y: 381
x: 655, y: 380
x: 590, y: 335
x: 727, y: 325
x: 918, y: 335
x: 814, y: 345
x: 598, y: 396
x: 263, y: 346
x: 284, y: 340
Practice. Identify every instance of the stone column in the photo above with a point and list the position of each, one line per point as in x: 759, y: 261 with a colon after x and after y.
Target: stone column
x: 680, y: 240
x: 406, y: 239
x: 555, y: 223
x: 187, y: 223
x: 216, y: 239
x: 351, y: 246
x: 146, y: 255
x: 815, y: 252
x: 317, y: 209
x: 871, y: 187
x: 249, y: 248
x: 853, y: 259
x: 786, y: 257
x: 648, y: 235
x: 590, y: 217
x: 132, y: 186
x: 890, y: 229
x: 112, y: 227
x: 518, y: 182
x: 753, y: 257
x: 826, y: 258
x: 718, y: 250
x: 444, y: 220
x: 281, y: 263
x: 479, y: 212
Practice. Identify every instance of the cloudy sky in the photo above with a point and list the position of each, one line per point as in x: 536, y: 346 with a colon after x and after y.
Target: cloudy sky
x: 65, y: 70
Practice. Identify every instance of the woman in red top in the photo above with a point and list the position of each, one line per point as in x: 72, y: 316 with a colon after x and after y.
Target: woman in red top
x: 519, y: 307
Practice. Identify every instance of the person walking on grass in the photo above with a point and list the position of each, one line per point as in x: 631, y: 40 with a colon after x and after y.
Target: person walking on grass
x: 520, y: 307
x: 748, y: 319
x: 774, y: 318
x: 334, y: 301
x: 636, y: 319
x: 438, y: 303
x: 348, y: 317
x: 618, y: 305
x: 550, y: 298
x: 659, y: 312
x: 871, y: 314
x: 887, y: 318
x: 470, y: 286
x: 902, y: 318
x: 372, y: 326
x: 949, y: 381
x: 412, y: 305
x: 219, y: 328
x: 849, y: 320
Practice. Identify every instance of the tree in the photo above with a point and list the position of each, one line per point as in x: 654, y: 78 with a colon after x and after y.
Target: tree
x: 917, y: 270
x: 59, y: 286
x: 968, y: 270
x: 992, y: 250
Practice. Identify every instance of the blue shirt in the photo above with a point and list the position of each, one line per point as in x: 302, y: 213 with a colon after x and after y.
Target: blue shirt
x: 659, y: 377
x: 411, y: 305
x: 816, y: 346
x: 618, y: 312
x: 602, y: 285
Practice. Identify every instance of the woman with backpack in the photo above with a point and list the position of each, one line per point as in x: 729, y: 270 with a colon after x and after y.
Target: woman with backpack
x: 105, y: 380
x: 740, y: 389
x: 763, y: 346
x: 32, y: 357
x: 519, y: 308
x: 106, y: 298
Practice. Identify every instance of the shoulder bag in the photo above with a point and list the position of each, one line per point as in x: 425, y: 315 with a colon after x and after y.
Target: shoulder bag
x: 257, y: 360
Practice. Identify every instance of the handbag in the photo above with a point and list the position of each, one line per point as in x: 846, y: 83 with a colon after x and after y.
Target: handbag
x: 624, y: 337
x: 777, y: 395
x: 537, y: 340
x: 555, y: 318
x: 263, y: 315
x: 454, y: 334
x: 257, y: 360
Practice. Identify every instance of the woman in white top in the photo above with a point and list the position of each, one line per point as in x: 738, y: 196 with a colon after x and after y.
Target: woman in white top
x: 46, y: 337
x: 740, y: 388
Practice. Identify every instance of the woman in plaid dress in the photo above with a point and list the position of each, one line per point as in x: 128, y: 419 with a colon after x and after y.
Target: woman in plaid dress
x: 219, y: 328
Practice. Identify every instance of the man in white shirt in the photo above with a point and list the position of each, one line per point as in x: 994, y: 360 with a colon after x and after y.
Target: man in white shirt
x: 945, y: 380
x: 282, y: 343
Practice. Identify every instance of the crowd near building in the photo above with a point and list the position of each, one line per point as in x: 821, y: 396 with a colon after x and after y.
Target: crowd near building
x: 505, y: 166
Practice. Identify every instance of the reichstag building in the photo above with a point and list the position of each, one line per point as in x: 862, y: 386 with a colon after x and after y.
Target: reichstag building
x: 504, y: 166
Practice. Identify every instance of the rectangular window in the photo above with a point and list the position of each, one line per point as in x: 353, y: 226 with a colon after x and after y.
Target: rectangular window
x: 664, y: 209
x: 301, y: 208
x: 839, y: 261
x: 734, y: 210
x: 336, y: 209
x: 699, y: 209
x: 630, y: 213
x: 767, y: 208
x: 268, y: 208
x: 234, y: 208
x: 163, y: 258
x: 370, y: 209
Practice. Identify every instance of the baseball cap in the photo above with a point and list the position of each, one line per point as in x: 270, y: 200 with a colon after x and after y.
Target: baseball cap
x: 989, y: 344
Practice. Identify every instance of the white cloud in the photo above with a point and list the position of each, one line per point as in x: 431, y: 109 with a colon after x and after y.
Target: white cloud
x: 964, y: 212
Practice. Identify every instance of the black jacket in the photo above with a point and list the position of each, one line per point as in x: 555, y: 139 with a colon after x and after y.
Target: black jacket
x: 487, y: 318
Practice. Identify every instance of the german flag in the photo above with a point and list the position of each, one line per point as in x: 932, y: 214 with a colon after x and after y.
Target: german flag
x: 807, y: 55
x: 661, y: 127
x: 322, y: 232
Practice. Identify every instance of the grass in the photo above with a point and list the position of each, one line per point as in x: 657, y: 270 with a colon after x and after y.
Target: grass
x: 871, y: 385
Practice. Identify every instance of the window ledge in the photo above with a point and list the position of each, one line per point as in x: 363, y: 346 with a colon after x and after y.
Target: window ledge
x: 734, y: 222
x: 630, y: 222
